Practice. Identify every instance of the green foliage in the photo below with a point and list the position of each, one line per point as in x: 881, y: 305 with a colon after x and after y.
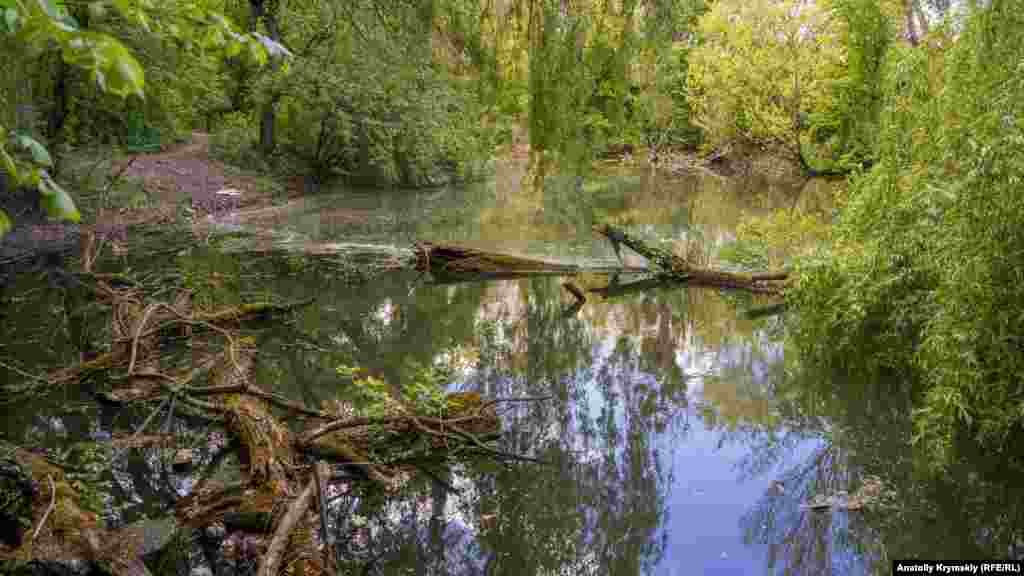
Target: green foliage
x: 922, y: 279
x: 679, y: 130
x: 365, y: 101
x: 606, y: 75
x: 759, y: 66
x: 55, y: 200
x: 747, y: 254
x: 237, y: 141
x: 422, y: 388
x: 89, y: 39
x: 867, y: 35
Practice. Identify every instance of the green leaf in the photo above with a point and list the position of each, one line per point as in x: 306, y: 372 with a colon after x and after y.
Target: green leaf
x: 5, y: 223
x: 257, y: 54
x: 7, y: 163
x: 214, y: 38
x: 118, y: 71
x: 68, y: 23
x: 29, y: 180
x: 11, y: 19
x: 38, y: 151
x: 57, y: 201
x: 127, y: 78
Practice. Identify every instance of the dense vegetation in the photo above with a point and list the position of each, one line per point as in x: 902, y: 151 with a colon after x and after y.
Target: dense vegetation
x: 919, y: 281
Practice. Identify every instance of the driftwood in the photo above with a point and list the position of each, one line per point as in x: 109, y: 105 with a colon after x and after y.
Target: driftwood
x: 296, y: 510
x: 676, y: 268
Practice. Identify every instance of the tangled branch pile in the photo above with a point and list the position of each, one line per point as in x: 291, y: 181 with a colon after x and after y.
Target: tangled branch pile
x: 282, y: 465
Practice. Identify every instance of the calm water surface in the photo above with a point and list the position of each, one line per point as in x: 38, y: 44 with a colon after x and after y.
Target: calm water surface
x: 650, y: 388
x: 672, y: 438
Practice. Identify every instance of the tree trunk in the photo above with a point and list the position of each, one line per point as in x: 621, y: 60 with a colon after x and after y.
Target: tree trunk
x: 58, y: 113
x: 268, y: 115
x: 267, y: 123
x: 912, y: 35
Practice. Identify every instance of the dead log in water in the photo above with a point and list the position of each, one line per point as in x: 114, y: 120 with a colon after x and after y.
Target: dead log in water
x: 449, y: 262
x: 676, y: 268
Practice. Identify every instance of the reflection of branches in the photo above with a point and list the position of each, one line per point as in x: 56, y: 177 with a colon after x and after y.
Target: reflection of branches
x: 767, y: 449
x: 799, y: 539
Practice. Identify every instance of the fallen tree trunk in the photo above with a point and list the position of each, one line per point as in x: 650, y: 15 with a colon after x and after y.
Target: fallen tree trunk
x: 676, y: 268
x: 452, y: 263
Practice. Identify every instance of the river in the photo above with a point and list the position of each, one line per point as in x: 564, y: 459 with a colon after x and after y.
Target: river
x: 670, y: 438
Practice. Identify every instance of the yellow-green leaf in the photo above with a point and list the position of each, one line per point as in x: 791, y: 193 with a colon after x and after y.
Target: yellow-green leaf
x: 257, y: 54
x: 121, y: 73
x: 5, y: 222
x: 7, y: 163
x: 57, y: 201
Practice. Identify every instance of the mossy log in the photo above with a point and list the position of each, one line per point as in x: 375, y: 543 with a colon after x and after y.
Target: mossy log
x: 63, y: 530
x: 676, y: 268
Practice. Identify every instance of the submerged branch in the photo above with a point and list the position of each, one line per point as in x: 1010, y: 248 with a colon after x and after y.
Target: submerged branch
x: 298, y: 508
x: 49, y: 509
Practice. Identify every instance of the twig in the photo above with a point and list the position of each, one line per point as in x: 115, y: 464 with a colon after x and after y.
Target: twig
x: 117, y: 176
x: 146, y: 422
x: 186, y: 320
x: 17, y: 370
x: 274, y: 399
x: 343, y: 423
x: 295, y: 512
x: 138, y: 333
x: 494, y: 401
x: 322, y: 502
x: 53, y: 502
x: 572, y: 288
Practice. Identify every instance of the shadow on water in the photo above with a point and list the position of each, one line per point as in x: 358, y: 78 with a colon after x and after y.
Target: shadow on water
x: 676, y: 440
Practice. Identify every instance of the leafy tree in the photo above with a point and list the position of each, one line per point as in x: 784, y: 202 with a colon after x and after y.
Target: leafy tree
x: 761, y: 67
x: 867, y: 31
x: 590, y: 76
x: 31, y: 29
x: 367, y: 98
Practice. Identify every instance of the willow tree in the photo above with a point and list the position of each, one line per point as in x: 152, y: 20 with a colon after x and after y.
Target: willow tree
x: 586, y: 73
x: 920, y: 283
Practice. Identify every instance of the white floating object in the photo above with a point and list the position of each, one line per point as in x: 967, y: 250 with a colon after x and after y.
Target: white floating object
x: 229, y: 192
